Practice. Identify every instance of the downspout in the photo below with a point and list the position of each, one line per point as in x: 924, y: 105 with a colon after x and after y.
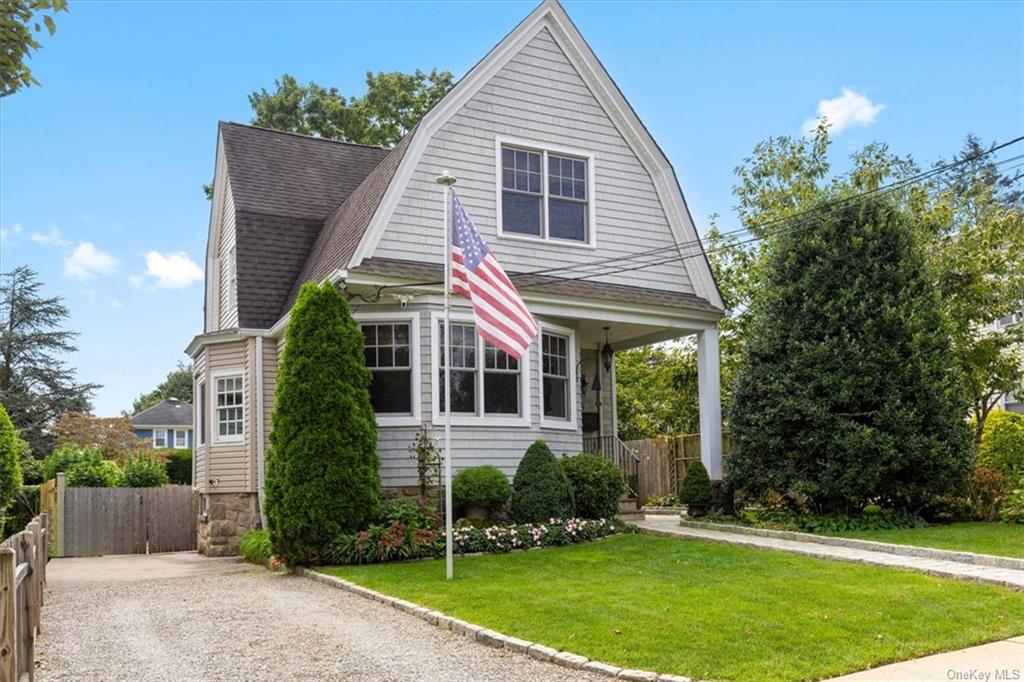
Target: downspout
x: 260, y: 459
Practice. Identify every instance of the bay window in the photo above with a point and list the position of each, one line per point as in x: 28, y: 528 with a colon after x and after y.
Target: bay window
x: 544, y: 193
x: 228, y: 410
x: 487, y: 383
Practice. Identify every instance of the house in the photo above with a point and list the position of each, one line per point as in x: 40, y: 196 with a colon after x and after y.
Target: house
x: 1011, y: 402
x: 168, y: 424
x: 576, y: 200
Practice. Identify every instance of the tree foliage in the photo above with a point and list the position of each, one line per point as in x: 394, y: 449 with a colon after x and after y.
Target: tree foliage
x: 21, y: 21
x: 113, y: 437
x: 849, y: 391
x: 322, y: 475
x: 10, y: 464
x: 144, y: 471
x: 540, y: 489
x: 178, y: 384
x: 392, y: 104
x: 36, y: 386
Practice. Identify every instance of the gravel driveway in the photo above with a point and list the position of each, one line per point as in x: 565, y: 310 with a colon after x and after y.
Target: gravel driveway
x: 186, y: 617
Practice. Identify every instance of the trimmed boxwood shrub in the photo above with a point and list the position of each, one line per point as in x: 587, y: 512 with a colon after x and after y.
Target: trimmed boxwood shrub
x: 1002, y: 444
x: 95, y: 473
x: 696, y: 488
x: 483, y: 486
x: 143, y: 472
x: 255, y: 547
x: 322, y: 475
x: 597, y: 485
x: 10, y: 466
x: 540, y: 490
x: 178, y: 464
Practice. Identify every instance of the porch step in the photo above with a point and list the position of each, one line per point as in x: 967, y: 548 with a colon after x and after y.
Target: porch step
x: 628, y: 504
x: 629, y: 510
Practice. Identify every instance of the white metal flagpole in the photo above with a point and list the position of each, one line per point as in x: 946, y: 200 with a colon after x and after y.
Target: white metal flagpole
x: 447, y: 180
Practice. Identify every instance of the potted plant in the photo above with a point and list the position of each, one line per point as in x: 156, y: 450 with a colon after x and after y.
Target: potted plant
x: 696, y: 490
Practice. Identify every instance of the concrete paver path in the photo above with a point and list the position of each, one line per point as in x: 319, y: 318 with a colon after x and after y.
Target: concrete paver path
x: 1007, y: 577
x: 995, y: 661
x: 185, y: 617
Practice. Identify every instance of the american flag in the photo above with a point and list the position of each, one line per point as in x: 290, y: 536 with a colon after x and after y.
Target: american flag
x: 501, y: 316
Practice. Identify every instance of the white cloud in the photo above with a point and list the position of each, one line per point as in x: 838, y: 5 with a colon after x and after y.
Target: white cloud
x: 51, y: 238
x: 114, y: 303
x: 11, y: 232
x: 172, y: 270
x: 86, y: 260
x: 135, y: 281
x: 849, y: 109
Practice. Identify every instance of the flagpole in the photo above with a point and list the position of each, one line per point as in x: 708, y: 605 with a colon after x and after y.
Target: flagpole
x: 446, y: 179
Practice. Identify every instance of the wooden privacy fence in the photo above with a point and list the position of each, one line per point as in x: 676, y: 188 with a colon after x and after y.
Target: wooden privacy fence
x: 23, y: 558
x: 97, y: 521
x: 663, y: 461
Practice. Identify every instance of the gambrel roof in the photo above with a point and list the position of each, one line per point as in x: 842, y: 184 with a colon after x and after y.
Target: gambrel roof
x: 306, y: 208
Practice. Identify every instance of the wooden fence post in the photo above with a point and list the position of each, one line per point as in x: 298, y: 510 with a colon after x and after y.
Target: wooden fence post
x: 31, y: 611
x: 59, y: 512
x: 8, y: 601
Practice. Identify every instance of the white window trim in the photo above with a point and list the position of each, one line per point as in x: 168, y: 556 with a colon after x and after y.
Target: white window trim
x: 545, y: 149
x: 156, y: 431
x: 176, y: 432
x: 215, y: 437
x: 547, y: 422
x: 524, y: 417
x: 415, y: 351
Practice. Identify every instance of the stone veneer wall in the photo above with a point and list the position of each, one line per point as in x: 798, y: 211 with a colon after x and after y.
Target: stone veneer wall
x: 229, y: 517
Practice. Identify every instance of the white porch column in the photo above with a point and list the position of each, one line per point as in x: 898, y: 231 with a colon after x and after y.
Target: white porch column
x: 710, y: 395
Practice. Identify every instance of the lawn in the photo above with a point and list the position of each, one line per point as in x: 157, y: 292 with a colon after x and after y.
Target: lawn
x: 705, y: 610
x: 1001, y: 539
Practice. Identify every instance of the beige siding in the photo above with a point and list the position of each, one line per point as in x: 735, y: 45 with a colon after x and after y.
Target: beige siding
x: 537, y: 96
x: 230, y: 465
x: 227, y: 303
x: 200, y: 473
x: 269, y: 384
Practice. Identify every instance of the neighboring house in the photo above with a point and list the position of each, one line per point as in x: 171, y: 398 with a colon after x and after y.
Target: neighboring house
x: 1011, y: 402
x: 557, y: 172
x: 168, y: 424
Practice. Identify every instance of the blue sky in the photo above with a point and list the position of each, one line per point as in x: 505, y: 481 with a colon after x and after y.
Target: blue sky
x: 101, y: 168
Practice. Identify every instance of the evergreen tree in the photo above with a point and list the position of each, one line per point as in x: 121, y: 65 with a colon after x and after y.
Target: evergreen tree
x: 322, y: 468
x: 846, y: 393
x: 10, y: 465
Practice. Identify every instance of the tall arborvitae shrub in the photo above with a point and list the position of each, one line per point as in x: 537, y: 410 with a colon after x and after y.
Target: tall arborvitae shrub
x: 322, y: 468
x: 847, y: 392
x: 10, y: 465
x: 540, y: 489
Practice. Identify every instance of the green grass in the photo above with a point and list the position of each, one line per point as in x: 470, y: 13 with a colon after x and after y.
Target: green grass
x: 1001, y: 539
x: 705, y: 610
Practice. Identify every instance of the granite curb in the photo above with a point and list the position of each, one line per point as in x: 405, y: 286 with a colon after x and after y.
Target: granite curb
x: 868, y: 545
x: 491, y: 638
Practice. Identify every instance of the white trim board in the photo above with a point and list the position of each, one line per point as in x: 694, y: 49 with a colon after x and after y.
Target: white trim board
x: 550, y: 15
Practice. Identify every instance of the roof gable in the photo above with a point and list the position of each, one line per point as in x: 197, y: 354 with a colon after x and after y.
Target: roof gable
x: 551, y: 17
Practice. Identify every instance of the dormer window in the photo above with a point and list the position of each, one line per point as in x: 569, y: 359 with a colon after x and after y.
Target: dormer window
x: 545, y: 193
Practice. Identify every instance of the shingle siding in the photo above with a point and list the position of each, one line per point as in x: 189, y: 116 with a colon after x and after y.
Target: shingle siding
x: 537, y: 96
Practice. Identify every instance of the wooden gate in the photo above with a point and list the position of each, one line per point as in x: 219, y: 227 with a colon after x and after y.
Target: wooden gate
x: 95, y: 521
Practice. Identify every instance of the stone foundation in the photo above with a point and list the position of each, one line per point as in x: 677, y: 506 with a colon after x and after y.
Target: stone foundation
x: 228, y: 517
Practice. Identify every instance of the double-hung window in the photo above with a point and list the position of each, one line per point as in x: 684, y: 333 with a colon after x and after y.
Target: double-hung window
x: 486, y: 381
x: 557, y: 377
x: 229, y: 416
x: 180, y: 438
x: 387, y: 351
x: 545, y: 194
x: 160, y: 438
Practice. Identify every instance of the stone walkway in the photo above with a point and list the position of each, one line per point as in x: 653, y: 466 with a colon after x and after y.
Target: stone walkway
x: 1006, y: 577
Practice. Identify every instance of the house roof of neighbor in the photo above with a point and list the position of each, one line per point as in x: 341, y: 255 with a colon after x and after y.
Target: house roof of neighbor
x: 170, y: 412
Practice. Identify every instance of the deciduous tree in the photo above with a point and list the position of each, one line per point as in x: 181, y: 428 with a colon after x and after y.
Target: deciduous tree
x: 20, y: 22
x: 114, y: 437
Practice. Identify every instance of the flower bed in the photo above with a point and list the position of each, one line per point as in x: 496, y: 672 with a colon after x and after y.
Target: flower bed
x: 402, y: 541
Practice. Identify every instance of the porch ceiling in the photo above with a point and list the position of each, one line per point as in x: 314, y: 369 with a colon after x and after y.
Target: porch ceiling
x: 626, y: 335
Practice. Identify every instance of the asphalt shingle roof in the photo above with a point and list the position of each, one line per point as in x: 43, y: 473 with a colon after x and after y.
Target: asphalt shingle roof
x: 165, y: 413
x: 284, y: 185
